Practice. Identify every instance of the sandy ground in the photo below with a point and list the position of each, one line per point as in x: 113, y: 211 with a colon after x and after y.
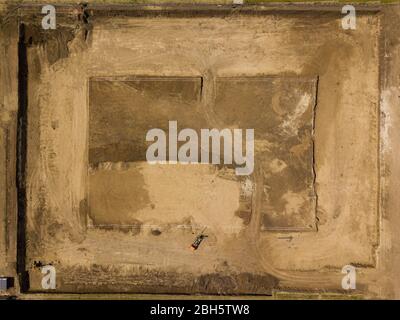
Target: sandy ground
x: 126, y: 227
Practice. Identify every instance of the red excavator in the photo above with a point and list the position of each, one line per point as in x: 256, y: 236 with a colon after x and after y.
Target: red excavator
x: 196, y: 243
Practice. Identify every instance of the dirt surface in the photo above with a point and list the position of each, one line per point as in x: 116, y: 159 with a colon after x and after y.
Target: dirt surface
x: 281, y: 110
x: 217, y: 51
x: 320, y: 99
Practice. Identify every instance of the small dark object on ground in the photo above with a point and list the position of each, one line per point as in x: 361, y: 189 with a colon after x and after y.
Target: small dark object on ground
x: 196, y: 243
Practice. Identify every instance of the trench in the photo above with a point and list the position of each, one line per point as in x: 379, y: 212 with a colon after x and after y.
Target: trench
x: 22, y: 121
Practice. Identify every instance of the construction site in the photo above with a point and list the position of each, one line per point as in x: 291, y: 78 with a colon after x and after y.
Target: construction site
x: 79, y: 195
